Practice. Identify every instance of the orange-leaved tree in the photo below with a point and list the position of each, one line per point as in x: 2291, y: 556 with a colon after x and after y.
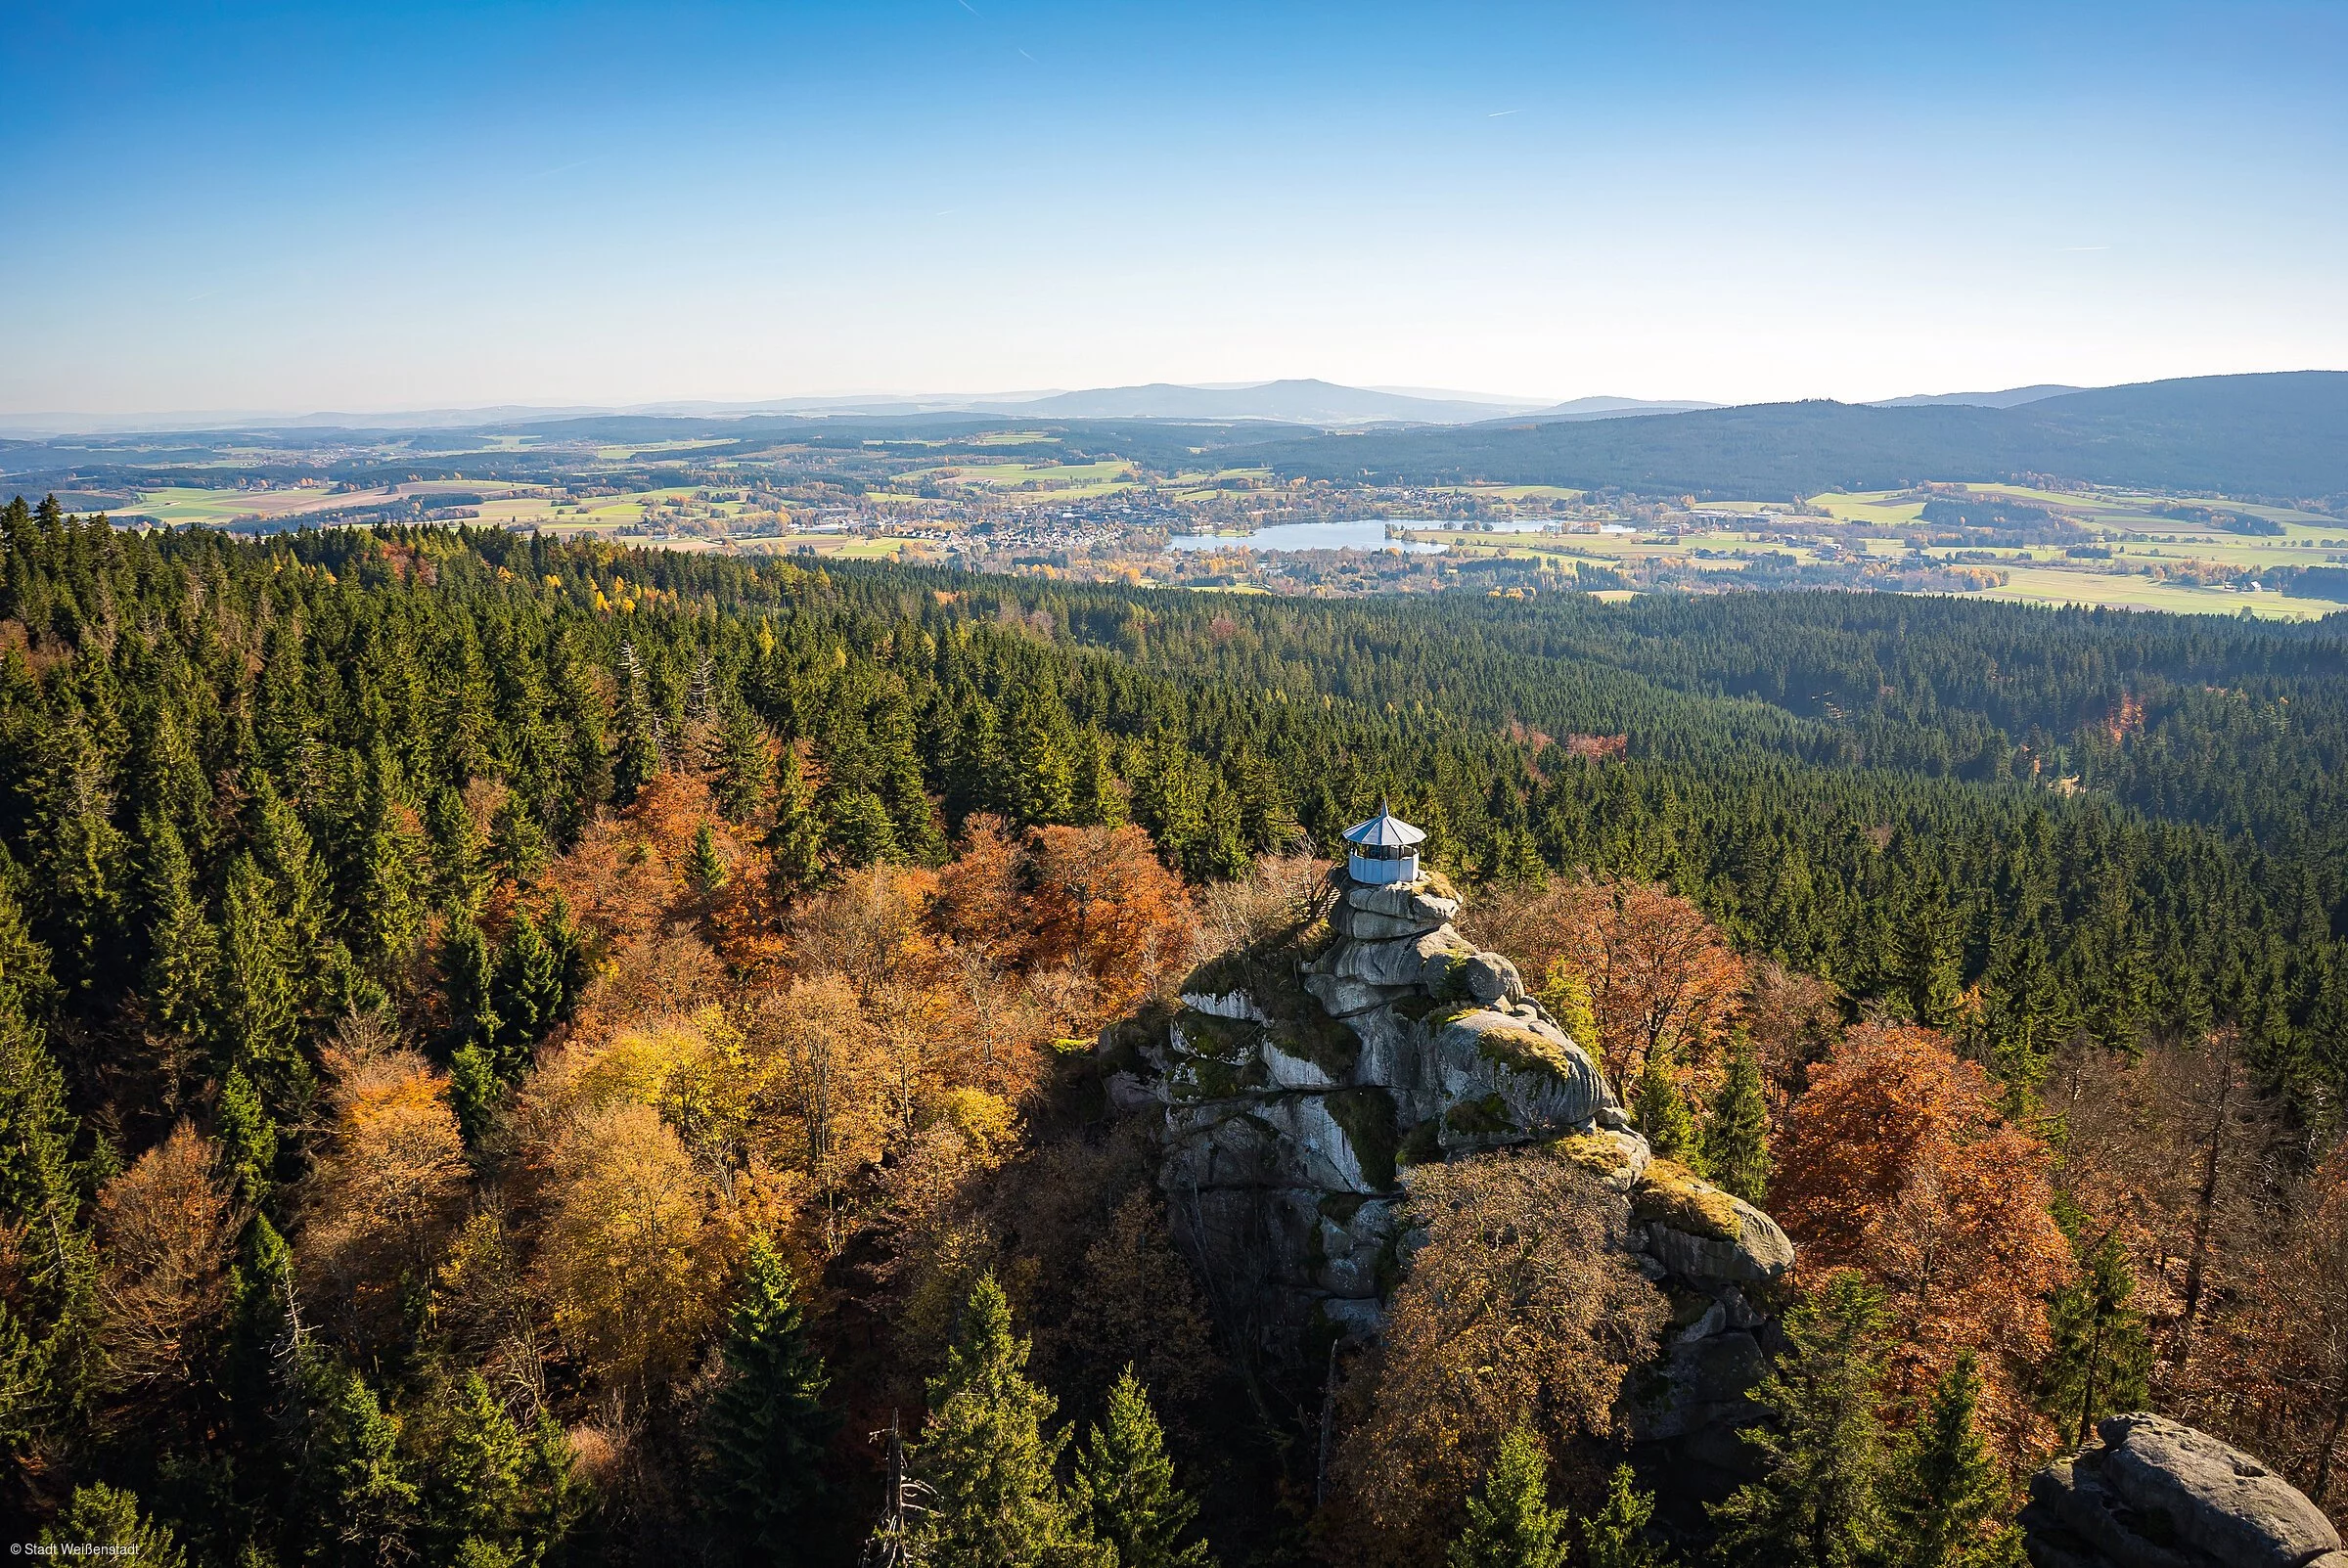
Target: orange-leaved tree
x: 1896, y: 1163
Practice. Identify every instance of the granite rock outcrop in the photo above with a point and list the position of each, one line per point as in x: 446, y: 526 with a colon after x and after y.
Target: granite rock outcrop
x: 2155, y: 1493
x: 1299, y: 1080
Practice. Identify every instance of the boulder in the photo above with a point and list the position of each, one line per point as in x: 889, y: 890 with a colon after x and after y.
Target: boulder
x: 2157, y: 1494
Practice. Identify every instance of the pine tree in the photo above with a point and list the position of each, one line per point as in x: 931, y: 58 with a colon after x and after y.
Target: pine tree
x: 1945, y: 1499
x: 1822, y: 1453
x: 1510, y: 1522
x: 2101, y: 1353
x: 743, y: 766
x: 247, y: 1136
x: 987, y: 1456
x: 1124, y: 1488
x: 1662, y: 1111
x: 98, y: 1515
x: 1615, y: 1537
x: 794, y: 845
x: 1736, y: 1141
x: 706, y: 868
x: 765, y: 1428
x: 468, y: 981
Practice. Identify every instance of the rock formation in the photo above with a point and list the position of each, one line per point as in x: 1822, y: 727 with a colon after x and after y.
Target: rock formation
x: 2155, y: 1494
x: 1300, y: 1079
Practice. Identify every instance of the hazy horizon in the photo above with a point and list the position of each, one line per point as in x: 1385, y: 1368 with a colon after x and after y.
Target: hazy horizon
x: 387, y: 208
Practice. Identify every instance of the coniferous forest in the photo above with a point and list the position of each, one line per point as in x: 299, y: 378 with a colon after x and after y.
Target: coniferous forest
x: 526, y: 1052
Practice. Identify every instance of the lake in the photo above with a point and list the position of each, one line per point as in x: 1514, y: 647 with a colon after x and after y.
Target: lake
x: 1366, y: 534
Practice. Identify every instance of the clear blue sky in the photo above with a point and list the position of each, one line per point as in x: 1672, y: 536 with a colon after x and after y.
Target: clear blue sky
x: 360, y: 206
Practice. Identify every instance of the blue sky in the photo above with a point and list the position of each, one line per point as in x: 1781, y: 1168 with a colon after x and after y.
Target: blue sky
x: 372, y: 206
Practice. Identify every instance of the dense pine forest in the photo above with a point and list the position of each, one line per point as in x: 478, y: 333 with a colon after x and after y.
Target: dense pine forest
x: 521, y: 1052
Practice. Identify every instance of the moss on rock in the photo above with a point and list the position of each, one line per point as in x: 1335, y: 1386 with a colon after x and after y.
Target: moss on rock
x: 1671, y: 1194
x: 1602, y: 1157
x: 1365, y: 1116
x: 1524, y: 1050
x: 1480, y: 1118
x: 1424, y: 1145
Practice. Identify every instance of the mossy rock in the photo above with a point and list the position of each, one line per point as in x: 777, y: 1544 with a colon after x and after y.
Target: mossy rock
x: 1423, y: 1146
x: 1438, y: 1016
x: 1365, y: 1116
x: 1415, y: 1009
x: 1445, y: 974
x: 1316, y: 1037
x: 1671, y: 1194
x: 1228, y: 1039
x: 1208, y: 1079
x: 1125, y: 1044
x: 1525, y: 1051
x: 1602, y: 1157
x: 1480, y: 1118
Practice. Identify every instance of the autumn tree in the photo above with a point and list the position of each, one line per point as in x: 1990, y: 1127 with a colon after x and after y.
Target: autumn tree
x: 1897, y: 1163
x: 166, y: 1231
x: 1521, y: 1309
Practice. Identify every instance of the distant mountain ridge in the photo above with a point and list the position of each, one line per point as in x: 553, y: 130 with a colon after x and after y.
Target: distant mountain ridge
x: 2012, y: 397
x: 1293, y: 402
x: 2281, y: 436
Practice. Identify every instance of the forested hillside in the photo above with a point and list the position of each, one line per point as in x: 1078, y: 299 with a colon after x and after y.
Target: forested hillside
x: 2276, y: 436
x: 514, y: 1051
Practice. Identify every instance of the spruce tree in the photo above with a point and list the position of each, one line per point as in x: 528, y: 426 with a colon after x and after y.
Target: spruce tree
x: 987, y: 1456
x: 1124, y: 1488
x: 471, y: 1486
x: 468, y: 981
x: 98, y: 1515
x: 765, y: 1428
x: 794, y: 845
x: 1821, y: 1451
x: 1945, y: 1499
x: 1096, y: 799
x: 705, y: 868
x: 516, y: 839
x: 1510, y: 1522
x: 2101, y: 1352
x: 260, y: 1320
x: 82, y: 862
x: 1565, y: 996
x: 350, y: 1491
x: 572, y: 967
x: 1662, y: 1111
x: 741, y: 766
x: 1042, y: 785
x: 258, y: 1025
x: 1615, y: 1537
x: 527, y: 994
x: 1736, y: 1139
x: 247, y: 1136
x: 289, y: 860
x: 857, y: 829
x: 47, y: 1337
x: 460, y: 854
x: 183, y: 950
